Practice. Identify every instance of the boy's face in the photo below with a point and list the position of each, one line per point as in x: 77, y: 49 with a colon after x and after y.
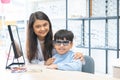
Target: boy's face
x: 62, y: 46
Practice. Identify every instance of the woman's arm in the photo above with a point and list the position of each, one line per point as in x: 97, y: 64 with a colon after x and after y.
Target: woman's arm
x: 49, y: 61
x: 75, y: 65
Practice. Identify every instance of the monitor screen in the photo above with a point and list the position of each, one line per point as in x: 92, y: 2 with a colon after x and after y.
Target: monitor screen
x: 15, y: 41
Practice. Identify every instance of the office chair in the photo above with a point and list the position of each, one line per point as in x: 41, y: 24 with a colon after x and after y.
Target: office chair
x: 89, y: 65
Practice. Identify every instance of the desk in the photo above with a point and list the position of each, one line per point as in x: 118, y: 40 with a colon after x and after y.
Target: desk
x: 116, y: 69
x: 37, y: 72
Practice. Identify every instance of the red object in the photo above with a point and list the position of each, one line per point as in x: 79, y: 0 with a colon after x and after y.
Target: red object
x: 5, y: 1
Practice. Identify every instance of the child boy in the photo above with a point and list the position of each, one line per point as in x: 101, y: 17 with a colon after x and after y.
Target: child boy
x: 63, y: 59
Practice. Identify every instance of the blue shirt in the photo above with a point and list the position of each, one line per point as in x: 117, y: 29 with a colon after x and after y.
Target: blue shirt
x: 67, y: 62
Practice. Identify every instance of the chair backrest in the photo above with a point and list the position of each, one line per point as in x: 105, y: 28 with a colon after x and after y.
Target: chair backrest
x: 89, y: 65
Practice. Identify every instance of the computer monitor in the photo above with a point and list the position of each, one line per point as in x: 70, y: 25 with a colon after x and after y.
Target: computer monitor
x: 16, y: 45
x: 15, y: 41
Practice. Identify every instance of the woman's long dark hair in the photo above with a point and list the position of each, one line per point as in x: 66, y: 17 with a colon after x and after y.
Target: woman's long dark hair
x: 31, y: 46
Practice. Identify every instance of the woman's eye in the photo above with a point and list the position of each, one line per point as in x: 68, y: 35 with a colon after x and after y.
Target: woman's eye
x: 45, y: 24
x: 37, y: 26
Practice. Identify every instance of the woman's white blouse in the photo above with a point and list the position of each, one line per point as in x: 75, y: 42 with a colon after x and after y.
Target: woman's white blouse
x: 39, y: 59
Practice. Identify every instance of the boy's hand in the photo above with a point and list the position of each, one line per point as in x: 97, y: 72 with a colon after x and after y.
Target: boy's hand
x: 49, y: 61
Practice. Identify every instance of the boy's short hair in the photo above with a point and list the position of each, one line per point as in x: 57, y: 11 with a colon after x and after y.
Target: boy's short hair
x: 61, y: 34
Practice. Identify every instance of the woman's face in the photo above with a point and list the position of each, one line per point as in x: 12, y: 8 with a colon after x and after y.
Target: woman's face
x: 41, y: 28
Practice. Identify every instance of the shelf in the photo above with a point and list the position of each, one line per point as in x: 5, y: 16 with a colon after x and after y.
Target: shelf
x: 94, y: 18
x: 100, y: 48
x: 98, y: 30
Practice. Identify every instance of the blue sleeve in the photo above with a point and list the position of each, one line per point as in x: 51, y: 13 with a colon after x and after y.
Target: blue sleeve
x: 75, y: 65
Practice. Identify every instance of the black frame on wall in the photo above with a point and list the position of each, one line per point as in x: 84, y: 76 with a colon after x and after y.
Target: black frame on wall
x: 106, y: 19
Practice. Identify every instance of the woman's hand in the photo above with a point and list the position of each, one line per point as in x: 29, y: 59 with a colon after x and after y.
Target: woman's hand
x: 52, y: 66
x: 50, y: 61
x: 79, y: 55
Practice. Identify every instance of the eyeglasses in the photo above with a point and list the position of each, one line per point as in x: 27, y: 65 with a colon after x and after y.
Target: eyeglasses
x: 59, y: 42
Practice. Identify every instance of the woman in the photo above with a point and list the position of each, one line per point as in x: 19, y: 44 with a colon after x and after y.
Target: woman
x: 39, y: 45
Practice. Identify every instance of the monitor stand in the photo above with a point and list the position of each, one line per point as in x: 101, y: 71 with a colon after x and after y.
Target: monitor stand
x: 8, y: 66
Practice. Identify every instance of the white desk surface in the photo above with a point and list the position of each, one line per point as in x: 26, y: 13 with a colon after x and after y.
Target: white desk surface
x: 38, y: 72
x: 117, y: 63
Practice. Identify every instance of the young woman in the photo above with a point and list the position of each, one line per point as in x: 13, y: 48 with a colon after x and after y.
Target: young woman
x: 39, y: 45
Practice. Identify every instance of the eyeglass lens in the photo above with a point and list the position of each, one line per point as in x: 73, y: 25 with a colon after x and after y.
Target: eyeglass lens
x: 65, y: 43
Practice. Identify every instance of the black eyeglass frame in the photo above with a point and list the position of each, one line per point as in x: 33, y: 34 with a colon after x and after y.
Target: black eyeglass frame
x: 59, y: 42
